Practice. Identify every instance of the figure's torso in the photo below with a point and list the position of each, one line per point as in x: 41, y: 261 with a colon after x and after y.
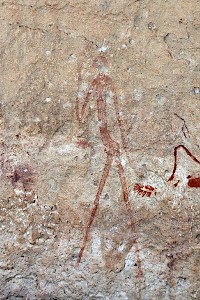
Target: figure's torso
x: 102, y: 84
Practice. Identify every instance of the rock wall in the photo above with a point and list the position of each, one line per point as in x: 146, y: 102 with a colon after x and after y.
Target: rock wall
x: 100, y: 149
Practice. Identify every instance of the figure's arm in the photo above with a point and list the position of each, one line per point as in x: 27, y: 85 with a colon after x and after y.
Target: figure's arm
x: 80, y: 112
x: 175, y: 159
x: 119, y: 120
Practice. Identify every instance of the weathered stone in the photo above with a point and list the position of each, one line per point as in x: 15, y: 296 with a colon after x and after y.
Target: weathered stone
x: 136, y: 66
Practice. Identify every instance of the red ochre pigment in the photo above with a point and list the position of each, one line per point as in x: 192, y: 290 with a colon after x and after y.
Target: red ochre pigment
x: 144, y: 190
x: 98, y: 90
x: 192, y: 182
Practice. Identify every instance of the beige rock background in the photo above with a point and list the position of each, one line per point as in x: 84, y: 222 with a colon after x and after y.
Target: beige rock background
x: 51, y: 165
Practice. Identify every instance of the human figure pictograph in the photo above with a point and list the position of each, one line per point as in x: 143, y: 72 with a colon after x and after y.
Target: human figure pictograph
x: 99, y: 88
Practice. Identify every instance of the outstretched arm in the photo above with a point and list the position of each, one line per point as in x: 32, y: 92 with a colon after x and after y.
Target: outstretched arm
x: 175, y: 159
x: 119, y: 121
x: 80, y: 112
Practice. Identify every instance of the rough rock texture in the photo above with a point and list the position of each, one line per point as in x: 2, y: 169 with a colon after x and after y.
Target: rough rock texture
x: 95, y: 95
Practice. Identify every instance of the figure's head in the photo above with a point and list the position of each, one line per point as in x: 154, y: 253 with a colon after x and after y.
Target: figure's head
x: 100, y: 63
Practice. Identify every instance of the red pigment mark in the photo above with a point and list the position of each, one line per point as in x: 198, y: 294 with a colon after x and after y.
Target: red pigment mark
x: 173, y: 257
x: 144, y: 190
x: 22, y: 175
x: 176, y: 184
x: 184, y: 127
x: 172, y: 260
x: 99, y: 88
x: 83, y: 144
x: 192, y: 182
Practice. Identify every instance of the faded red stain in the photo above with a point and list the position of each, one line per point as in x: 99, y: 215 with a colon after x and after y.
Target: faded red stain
x: 144, y: 190
x: 23, y: 176
x: 83, y: 144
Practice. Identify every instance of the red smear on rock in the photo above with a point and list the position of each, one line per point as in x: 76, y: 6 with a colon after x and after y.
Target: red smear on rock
x: 83, y: 144
x: 193, y: 182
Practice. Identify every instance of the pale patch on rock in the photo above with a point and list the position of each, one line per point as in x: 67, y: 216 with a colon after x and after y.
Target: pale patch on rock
x: 137, y: 94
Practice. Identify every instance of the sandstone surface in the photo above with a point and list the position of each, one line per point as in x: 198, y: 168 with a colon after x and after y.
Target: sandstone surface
x: 95, y: 96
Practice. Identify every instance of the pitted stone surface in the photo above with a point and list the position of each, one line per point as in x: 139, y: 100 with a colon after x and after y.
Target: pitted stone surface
x: 136, y: 66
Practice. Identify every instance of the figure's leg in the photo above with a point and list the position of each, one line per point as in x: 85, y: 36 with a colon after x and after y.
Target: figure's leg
x: 130, y: 210
x: 125, y: 192
x: 96, y: 203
